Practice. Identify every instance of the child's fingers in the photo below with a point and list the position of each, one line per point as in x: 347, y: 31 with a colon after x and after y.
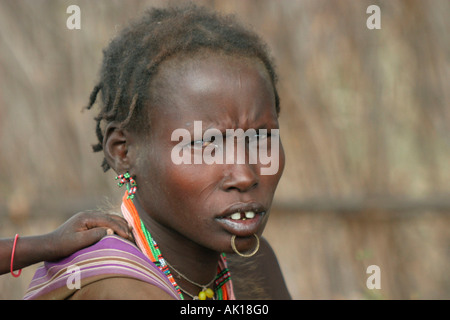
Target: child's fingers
x: 94, y: 235
x: 109, y: 221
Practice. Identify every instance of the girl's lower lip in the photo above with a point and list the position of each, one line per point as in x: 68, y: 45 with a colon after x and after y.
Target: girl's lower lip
x: 242, y: 227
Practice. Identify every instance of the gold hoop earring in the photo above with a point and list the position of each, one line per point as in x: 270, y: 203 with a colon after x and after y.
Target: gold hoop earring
x: 245, y: 255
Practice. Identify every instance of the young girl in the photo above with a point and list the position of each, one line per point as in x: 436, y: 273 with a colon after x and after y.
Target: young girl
x: 172, y: 69
x: 82, y: 230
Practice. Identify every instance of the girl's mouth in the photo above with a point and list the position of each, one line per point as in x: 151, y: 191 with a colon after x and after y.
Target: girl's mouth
x: 243, y: 219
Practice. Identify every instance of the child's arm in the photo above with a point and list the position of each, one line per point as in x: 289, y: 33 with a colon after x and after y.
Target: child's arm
x: 80, y: 231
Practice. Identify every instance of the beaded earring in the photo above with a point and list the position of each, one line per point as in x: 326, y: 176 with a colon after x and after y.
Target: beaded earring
x: 130, y: 183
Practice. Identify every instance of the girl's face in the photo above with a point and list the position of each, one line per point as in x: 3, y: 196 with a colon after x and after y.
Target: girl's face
x: 197, y: 201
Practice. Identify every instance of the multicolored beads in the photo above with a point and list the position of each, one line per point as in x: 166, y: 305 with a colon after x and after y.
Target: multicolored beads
x: 206, y: 293
x: 127, y: 179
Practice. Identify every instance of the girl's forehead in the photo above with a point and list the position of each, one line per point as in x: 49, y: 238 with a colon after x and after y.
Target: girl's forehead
x: 215, y: 89
x: 211, y: 64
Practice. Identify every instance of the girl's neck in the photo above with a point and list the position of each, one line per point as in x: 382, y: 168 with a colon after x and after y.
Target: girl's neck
x: 197, y: 263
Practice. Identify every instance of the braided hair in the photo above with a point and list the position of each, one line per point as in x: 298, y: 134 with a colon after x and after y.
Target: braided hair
x: 132, y: 59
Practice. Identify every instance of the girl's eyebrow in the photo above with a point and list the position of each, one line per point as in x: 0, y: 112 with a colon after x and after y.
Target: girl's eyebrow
x: 206, y: 124
x: 269, y: 125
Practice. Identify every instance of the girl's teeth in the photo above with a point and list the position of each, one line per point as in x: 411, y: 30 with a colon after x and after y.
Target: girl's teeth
x: 239, y: 216
x: 249, y: 214
x: 236, y: 216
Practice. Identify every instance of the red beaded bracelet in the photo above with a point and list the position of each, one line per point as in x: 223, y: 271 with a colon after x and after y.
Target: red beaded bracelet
x: 12, y: 258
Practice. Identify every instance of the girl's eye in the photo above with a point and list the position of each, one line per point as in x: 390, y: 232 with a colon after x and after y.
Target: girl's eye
x: 262, y: 136
x: 199, y: 144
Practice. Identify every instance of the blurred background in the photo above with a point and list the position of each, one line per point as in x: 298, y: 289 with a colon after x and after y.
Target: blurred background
x: 365, y: 124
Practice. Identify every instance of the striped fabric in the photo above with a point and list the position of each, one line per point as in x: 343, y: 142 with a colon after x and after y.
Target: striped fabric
x: 111, y: 257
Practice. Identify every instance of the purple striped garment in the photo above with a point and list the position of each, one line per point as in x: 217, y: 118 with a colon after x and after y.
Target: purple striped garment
x: 110, y: 257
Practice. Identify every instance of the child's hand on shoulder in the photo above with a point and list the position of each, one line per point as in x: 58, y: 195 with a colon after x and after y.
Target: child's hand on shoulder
x: 83, y: 230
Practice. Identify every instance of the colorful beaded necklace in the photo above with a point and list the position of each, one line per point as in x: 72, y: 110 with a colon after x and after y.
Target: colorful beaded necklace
x: 144, y: 240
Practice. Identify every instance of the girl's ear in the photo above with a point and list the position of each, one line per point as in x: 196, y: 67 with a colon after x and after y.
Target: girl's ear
x: 115, y: 147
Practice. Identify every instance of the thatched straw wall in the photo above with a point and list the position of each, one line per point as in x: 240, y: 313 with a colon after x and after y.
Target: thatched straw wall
x: 365, y: 125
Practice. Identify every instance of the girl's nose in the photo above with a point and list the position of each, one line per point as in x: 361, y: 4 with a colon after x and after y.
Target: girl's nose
x: 240, y: 177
